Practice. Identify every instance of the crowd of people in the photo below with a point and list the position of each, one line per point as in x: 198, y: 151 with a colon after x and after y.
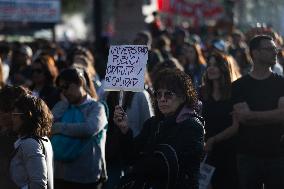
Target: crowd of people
x: 221, y: 96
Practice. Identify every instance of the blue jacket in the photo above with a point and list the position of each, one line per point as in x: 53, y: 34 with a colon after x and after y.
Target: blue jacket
x: 89, y: 167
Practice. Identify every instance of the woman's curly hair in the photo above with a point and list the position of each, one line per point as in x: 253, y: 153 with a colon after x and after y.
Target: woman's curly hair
x: 37, y: 118
x: 178, y: 82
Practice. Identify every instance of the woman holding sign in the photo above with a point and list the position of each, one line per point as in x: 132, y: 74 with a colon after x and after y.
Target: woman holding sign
x: 168, y: 150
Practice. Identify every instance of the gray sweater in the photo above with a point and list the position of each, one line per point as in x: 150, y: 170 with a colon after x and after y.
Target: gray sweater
x: 139, y: 111
x: 31, y: 165
x: 90, y: 165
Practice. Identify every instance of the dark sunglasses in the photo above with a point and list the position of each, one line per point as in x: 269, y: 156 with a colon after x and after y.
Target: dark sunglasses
x: 37, y: 70
x: 167, y: 95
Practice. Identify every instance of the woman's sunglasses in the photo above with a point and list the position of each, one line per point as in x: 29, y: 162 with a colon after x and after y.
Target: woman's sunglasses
x: 167, y: 95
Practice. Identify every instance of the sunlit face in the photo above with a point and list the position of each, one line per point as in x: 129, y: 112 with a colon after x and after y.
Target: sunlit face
x: 191, y: 54
x: 16, y: 119
x: 213, y: 71
x: 168, y: 101
x: 71, y: 91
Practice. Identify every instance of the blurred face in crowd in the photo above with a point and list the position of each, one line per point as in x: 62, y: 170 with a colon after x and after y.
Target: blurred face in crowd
x: 213, y: 71
x: 38, y: 76
x: 72, y: 91
x: 168, y: 101
x: 180, y: 38
x: 191, y: 54
x: 267, y: 52
x: 21, y: 59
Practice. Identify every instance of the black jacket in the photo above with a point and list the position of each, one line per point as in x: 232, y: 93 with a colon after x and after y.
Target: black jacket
x: 166, y: 154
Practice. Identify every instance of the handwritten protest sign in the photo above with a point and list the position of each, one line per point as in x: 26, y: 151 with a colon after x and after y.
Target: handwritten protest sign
x: 205, y: 174
x: 126, y: 68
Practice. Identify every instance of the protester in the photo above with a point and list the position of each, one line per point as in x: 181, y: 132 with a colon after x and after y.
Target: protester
x: 193, y: 61
x: 154, y: 55
x: 20, y: 72
x: 216, y: 110
x: 168, y: 150
x: 133, y: 103
x: 260, y: 145
x: 78, y: 134
x: 44, y: 73
x: 8, y: 96
x: 240, y: 52
x: 32, y: 162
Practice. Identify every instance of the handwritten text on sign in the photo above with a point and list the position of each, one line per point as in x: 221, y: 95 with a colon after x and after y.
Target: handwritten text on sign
x: 126, y: 67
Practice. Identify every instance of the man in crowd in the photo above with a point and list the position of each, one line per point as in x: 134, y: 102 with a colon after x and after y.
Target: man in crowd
x: 260, y: 150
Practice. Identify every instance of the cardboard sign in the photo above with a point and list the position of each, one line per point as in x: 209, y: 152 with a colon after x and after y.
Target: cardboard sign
x: 206, y: 173
x: 126, y: 68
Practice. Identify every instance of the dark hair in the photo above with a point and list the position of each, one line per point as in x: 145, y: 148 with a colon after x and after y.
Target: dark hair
x: 178, y: 82
x: 36, y: 117
x: 227, y: 76
x: 8, y: 96
x: 75, y: 75
x: 49, y: 68
x: 255, y: 42
x: 146, y: 37
x: 163, y: 42
x: 80, y: 50
x: 199, y: 57
x: 169, y: 63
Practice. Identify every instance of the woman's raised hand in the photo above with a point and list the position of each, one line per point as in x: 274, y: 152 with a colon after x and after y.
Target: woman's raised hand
x: 120, y: 119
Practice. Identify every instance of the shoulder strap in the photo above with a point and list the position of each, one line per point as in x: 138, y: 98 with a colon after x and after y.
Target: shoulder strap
x: 40, y: 141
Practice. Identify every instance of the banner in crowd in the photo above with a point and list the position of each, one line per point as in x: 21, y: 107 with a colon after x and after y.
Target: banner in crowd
x: 126, y: 68
x: 190, y: 9
x: 42, y: 11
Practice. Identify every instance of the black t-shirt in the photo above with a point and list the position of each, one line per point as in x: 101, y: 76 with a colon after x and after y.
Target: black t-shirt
x: 260, y: 95
x: 217, y: 116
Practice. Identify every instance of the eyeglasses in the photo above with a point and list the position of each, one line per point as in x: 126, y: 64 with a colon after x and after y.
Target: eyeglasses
x: 37, y: 70
x: 64, y: 86
x: 167, y: 95
x: 271, y: 49
x: 17, y: 113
